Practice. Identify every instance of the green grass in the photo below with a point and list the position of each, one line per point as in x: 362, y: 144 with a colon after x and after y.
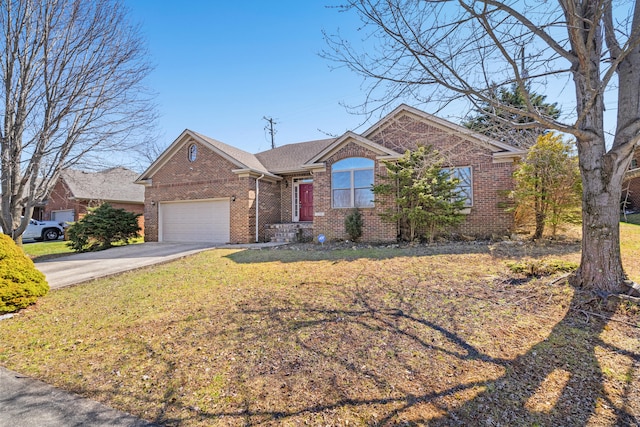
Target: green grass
x: 630, y: 249
x: 56, y: 248
x: 46, y: 249
x: 435, y: 335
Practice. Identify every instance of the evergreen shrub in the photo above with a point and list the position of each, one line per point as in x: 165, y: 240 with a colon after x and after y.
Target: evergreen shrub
x: 20, y: 282
x: 353, y: 224
x: 101, y: 228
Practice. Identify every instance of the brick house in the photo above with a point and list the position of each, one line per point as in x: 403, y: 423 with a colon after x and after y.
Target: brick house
x: 77, y: 190
x: 631, y: 188
x: 200, y: 189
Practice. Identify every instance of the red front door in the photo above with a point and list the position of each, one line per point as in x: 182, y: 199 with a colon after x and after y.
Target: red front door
x: 306, y: 202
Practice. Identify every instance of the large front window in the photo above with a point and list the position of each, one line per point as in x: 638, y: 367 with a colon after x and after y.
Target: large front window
x: 351, y: 183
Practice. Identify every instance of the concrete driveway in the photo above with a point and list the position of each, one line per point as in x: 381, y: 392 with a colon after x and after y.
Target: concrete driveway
x: 78, y: 268
x: 28, y: 402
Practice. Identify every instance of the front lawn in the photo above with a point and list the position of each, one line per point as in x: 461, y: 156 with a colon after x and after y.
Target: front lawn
x: 439, y: 335
x: 48, y: 249
x: 57, y: 248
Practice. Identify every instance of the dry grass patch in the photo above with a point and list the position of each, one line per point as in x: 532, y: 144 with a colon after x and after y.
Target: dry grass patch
x: 375, y: 336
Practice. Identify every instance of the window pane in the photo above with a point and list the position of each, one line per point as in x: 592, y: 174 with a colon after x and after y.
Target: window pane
x: 465, y: 194
x: 341, y: 198
x: 464, y: 175
x: 364, y: 197
x: 352, y: 178
x: 352, y: 163
x: 341, y: 180
x: 363, y: 179
x: 465, y: 188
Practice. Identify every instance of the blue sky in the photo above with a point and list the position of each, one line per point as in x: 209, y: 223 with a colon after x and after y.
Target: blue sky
x: 220, y: 66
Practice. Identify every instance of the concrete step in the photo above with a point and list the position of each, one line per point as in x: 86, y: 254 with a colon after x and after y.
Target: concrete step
x: 288, y: 232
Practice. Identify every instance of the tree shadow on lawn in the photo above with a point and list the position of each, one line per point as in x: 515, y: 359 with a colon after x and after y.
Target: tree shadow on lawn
x: 383, y: 363
x: 558, y: 381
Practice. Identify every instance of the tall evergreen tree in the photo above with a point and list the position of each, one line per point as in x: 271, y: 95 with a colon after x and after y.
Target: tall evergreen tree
x: 425, y: 196
x: 496, y: 121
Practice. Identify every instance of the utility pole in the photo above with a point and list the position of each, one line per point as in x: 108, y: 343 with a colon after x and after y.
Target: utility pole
x: 525, y: 73
x: 269, y: 128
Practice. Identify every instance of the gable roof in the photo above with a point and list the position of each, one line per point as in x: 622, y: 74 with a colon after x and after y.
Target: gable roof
x: 244, y: 161
x: 114, y: 185
x: 290, y: 157
x: 303, y: 156
x: 447, y: 126
x: 348, y: 137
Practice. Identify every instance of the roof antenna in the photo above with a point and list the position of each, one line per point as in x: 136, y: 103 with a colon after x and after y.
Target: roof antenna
x: 269, y: 128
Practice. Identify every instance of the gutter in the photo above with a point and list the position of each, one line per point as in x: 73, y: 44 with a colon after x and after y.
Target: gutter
x: 507, y: 154
x: 258, y: 204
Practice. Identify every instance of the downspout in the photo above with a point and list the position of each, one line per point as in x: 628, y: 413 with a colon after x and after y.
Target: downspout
x: 257, y: 205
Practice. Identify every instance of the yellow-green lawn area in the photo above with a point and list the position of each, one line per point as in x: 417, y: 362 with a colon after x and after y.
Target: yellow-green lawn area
x: 425, y: 335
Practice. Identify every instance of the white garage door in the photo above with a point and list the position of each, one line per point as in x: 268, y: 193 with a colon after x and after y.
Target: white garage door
x: 63, y: 216
x: 198, y: 221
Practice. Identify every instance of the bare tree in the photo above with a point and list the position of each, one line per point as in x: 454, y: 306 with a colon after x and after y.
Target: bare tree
x: 441, y: 51
x: 72, y: 73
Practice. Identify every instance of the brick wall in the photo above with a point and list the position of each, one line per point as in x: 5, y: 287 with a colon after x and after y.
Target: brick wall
x: 286, y: 201
x: 331, y: 221
x: 491, y: 181
x: 269, y: 211
x: 60, y: 199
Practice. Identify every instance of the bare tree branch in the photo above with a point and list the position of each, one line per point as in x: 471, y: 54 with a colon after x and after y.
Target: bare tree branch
x: 72, y: 75
x: 438, y: 51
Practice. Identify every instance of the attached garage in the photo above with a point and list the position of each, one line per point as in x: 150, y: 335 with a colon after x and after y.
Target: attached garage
x: 67, y: 215
x: 195, y: 221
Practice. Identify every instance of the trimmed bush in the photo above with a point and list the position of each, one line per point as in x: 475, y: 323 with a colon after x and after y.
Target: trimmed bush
x: 101, y: 228
x: 20, y: 282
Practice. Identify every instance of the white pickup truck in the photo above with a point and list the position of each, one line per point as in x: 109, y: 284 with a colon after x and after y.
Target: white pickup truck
x: 42, y: 230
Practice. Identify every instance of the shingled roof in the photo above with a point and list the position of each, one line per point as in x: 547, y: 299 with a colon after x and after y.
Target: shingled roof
x: 290, y: 157
x: 111, y: 185
x: 247, y: 159
x: 299, y: 157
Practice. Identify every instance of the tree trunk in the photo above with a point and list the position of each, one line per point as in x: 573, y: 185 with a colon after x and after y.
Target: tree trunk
x: 602, y: 171
x: 540, y: 217
x: 601, y: 265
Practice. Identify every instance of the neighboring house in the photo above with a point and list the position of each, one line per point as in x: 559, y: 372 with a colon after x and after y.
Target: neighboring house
x: 77, y: 190
x: 200, y: 189
x: 631, y: 188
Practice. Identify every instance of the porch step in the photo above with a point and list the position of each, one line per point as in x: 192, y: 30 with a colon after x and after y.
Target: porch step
x: 289, y: 232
